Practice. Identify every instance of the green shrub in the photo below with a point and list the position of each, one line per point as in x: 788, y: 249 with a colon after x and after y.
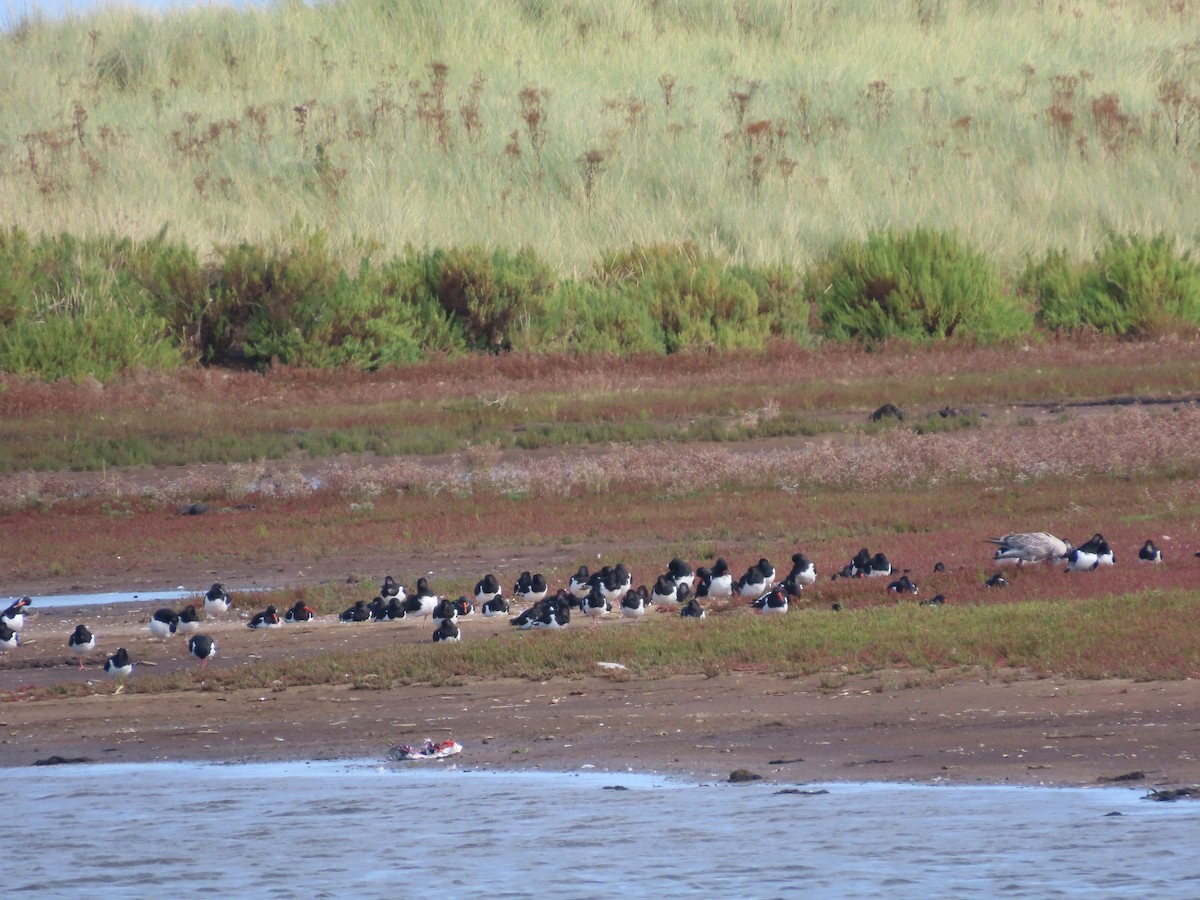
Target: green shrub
x: 491, y: 293
x: 1134, y: 286
x: 696, y: 301
x: 583, y: 317
x: 916, y: 285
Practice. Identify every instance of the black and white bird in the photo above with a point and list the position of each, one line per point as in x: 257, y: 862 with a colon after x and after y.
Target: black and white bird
x: 1150, y: 553
x: 81, y: 642
x: 444, y: 610
x: 423, y: 602
x: 903, y: 585
x: 580, y: 584
x: 356, y: 613
x: 756, y: 582
x: 378, y: 609
x: 164, y: 623
x: 497, y: 606
x: 692, y: 610
x: 119, y: 664
x: 464, y: 606
x: 681, y: 572
x: 773, y: 601
x: 1090, y: 555
x: 531, y: 588
x: 633, y: 605
x: 996, y: 581
x: 665, y: 592
x: 392, y: 588
x: 216, y: 601
x: 300, y: 612
x: 487, y: 588
x: 189, y: 620
x: 268, y: 618
x: 938, y: 600
x: 1029, y: 547
x: 447, y: 630
x: 594, y: 605
x: 9, y: 639
x: 880, y: 566
x: 803, y: 571
x: 719, y: 581
x: 202, y: 647
x: 14, y: 616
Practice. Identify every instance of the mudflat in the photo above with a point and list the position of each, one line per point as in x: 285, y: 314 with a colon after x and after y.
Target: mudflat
x: 961, y: 727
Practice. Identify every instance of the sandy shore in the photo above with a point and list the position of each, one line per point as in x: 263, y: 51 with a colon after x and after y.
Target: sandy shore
x: 957, y: 728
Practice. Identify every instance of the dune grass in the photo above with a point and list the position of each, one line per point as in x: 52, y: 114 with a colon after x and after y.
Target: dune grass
x: 763, y: 131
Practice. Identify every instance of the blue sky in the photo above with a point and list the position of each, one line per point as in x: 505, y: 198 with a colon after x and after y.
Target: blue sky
x: 12, y: 10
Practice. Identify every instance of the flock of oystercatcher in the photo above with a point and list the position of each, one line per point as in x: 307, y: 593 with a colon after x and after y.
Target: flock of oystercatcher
x: 591, y: 594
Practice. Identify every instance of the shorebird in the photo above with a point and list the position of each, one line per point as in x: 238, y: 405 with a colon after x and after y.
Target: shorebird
x: 299, y: 613
x: 692, y: 610
x: 803, y: 570
x: 996, y: 581
x: 1150, y: 553
x: 202, y: 647
x: 497, y: 606
x: 391, y: 588
x: 447, y: 630
x: 356, y: 613
x: 1089, y: 555
x: 903, y: 585
x: 14, y: 616
x: 1030, y: 547
x: 594, y: 606
x: 487, y: 588
x: 9, y: 639
x: 665, y: 592
x: 681, y: 572
x: 268, y: 618
x: 633, y: 605
x: 82, y: 642
x: 464, y: 607
x: 119, y: 664
x: 773, y: 601
x: 189, y: 620
x: 423, y: 602
x: 164, y: 623
x: 580, y: 584
x: 216, y: 601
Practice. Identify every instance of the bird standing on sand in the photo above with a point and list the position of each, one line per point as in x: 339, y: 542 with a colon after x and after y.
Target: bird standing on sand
x: 189, y: 620
x: 202, y: 647
x: 1030, y: 547
x: 164, y: 623
x: 216, y: 601
x: 423, y: 602
x: 82, y: 642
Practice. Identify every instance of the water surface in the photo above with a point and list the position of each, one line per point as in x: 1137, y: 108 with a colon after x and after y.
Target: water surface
x: 327, y: 829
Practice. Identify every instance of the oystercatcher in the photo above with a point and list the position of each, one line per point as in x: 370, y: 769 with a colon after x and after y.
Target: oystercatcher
x: 82, y: 642
x: 803, y: 570
x: 202, y: 647
x: 633, y: 605
x: 903, y: 585
x: 580, y: 584
x: 356, y: 613
x: 774, y: 601
x: 189, y: 620
x: 119, y: 664
x: 681, y: 572
x: 164, y: 623
x: 423, y: 602
x: 268, y: 618
x: 594, y: 605
x: 665, y: 592
x: 497, y: 606
x: 487, y: 588
x: 9, y: 639
x: 14, y: 616
x: 1150, y: 553
x: 692, y: 610
x: 391, y: 588
x: 216, y: 601
x: 300, y: 613
x: 447, y: 630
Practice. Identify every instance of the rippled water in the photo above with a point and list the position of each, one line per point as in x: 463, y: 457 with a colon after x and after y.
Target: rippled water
x: 332, y: 829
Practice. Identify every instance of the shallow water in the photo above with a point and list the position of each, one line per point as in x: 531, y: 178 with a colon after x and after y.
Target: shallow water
x: 55, y: 601
x: 332, y: 829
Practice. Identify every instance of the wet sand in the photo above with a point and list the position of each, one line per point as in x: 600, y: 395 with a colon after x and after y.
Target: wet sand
x: 955, y: 727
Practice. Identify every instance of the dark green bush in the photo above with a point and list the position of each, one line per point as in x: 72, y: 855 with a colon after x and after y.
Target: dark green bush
x: 915, y: 285
x: 1133, y: 286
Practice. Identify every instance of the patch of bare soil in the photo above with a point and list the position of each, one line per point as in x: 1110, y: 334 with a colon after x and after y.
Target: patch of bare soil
x: 896, y: 726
